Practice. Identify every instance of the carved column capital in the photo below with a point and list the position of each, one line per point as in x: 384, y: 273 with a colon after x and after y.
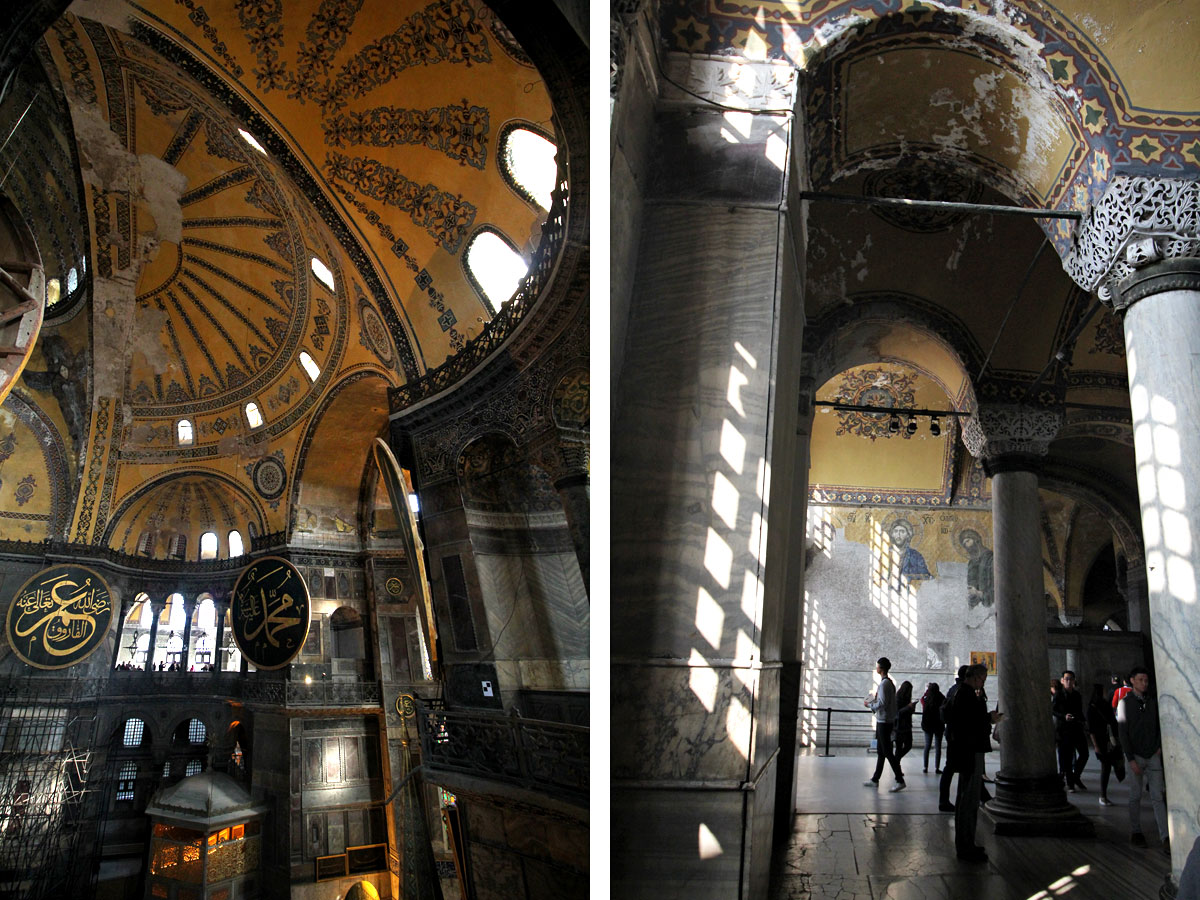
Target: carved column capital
x: 1137, y: 223
x: 1010, y: 436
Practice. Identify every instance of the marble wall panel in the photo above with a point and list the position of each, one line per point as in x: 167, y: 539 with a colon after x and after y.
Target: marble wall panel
x: 682, y: 722
x: 677, y: 844
x: 719, y: 156
x: 695, y: 390
x: 497, y: 875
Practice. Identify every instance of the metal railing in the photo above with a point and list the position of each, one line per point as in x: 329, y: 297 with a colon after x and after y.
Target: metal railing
x: 509, y: 316
x: 829, y: 711
x: 548, y: 757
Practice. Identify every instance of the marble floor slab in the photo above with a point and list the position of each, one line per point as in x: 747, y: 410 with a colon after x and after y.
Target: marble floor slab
x: 850, y: 842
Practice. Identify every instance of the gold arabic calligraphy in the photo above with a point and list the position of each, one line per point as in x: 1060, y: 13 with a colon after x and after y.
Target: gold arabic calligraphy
x: 63, y: 612
x: 269, y: 608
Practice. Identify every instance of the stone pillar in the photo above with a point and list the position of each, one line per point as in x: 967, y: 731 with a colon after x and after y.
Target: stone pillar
x: 568, y: 464
x: 703, y: 458
x: 189, y: 609
x: 221, y: 603
x: 1139, y: 251
x: 156, y: 607
x: 126, y: 602
x: 1137, y: 599
x: 1030, y: 798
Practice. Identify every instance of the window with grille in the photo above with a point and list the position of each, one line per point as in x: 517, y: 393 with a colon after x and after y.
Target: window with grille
x: 196, y: 732
x: 194, y: 767
x: 126, y: 780
x: 135, y: 730
x: 145, y: 543
x: 167, y: 769
x: 178, y: 546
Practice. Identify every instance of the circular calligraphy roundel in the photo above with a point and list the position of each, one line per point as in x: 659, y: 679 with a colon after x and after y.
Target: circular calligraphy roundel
x: 59, y: 616
x: 269, y: 611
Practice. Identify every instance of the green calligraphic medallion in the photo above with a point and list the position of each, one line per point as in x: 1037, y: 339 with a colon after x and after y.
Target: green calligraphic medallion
x: 59, y: 616
x: 270, y: 612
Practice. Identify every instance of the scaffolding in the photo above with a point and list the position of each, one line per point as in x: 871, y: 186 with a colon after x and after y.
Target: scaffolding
x: 47, y: 732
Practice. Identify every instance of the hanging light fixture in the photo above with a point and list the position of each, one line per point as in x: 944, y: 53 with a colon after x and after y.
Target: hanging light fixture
x: 935, y: 427
x: 894, y: 424
x: 911, y: 428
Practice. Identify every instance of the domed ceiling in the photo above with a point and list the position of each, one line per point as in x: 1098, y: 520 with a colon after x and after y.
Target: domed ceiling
x: 393, y: 109
x: 279, y: 206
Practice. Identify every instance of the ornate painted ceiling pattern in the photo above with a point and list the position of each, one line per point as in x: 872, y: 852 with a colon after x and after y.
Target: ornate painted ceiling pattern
x: 1121, y: 136
x: 230, y: 300
x: 188, y: 505
x: 413, y: 181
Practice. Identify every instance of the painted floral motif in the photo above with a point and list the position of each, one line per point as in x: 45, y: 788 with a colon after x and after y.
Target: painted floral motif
x: 445, y: 216
x: 873, y: 387
x: 460, y: 132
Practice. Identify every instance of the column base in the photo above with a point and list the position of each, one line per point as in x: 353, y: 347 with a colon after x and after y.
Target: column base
x: 1169, y: 890
x: 1034, y: 806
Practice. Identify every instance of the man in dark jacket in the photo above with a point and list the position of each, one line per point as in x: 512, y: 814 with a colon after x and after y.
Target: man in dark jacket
x: 1069, y: 732
x: 971, y: 724
x: 1141, y: 742
x: 944, y: 803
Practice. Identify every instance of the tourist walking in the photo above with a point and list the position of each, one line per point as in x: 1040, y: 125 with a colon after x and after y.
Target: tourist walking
x: 905, y: 707
x: 883, y: 704
x: 1102, y: 730
x: 931, y: 723
x: 1141, y: 742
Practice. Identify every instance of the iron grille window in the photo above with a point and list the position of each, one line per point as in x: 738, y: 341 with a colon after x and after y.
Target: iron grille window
x: 135, y: 729
x: 127, y: 779
x: 193, y: 768
x: 196, y: 732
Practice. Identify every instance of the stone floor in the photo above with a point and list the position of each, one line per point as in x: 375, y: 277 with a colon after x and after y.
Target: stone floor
x: 855, y: 843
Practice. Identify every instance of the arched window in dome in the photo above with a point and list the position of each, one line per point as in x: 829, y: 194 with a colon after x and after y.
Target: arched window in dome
x: 311, y: 369
x: 72, y: 281
x: 526, y: 160
x: 145, y: 544
x: 184, y: 433
x: 323, y: 273
x: 208, y: 545
x: 177, y: 546
x: 236, y: 547
x: 253, y: 416
x: 494, y: 267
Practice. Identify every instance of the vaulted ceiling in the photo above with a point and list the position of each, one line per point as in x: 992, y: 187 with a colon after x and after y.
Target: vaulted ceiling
x: 184, y: 164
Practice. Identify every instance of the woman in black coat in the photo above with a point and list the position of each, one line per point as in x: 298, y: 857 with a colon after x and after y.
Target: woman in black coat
x: 931, y: 723
x: 1102, y: 729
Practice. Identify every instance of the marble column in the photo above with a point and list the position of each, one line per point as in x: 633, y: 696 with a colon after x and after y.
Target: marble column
x: 568, y: 464
x: 1030, y: 798
x: 1137, y: 599
x: 221, y: 604
x: 126, y: 603
x: 703, y: 459
x: 156, y: 608
x: 1140, y: 251
x: 189, y: 609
